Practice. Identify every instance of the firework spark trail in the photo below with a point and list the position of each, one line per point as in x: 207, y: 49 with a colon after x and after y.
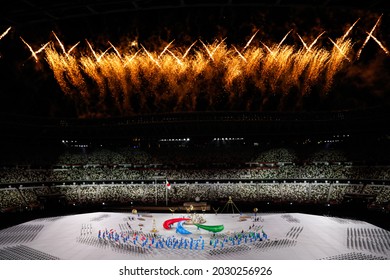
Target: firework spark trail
x: 233, y: 75
x: 91, y: 69
x: 177, y: 59
x: 349, y: 30
x: 278, y: 74
x: 240, y: 55
x: 132, y: 57
x: 60, y: 43
x: 93, y: 51
x: 284, y: 38
x: 318, y: 62
x: 315, y: 41
x: 102, y: 54
x: 250, y: 40
x: 339, y: 49
x: 110, y: 67
x: 165, y: 49
x: 42, y: 48
x: 268, y: 49
x: 338, y: 56
x: 34, y: 53
x: 207, y: 50
x: 56, y: 64
x: 254, y: 57
x: 303, y: 42
x: 379, y: 43
x: 72, y: 48
x: 31, y: 50
x: 5, y: 33
x: 301, y: 60
x: 367, y: 38
x: 150, y: 56
x: 115, y: 49
x: 188, y: 50
x: 216, y: 48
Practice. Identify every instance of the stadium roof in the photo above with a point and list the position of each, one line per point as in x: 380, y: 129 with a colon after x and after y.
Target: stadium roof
x: 373, y: 122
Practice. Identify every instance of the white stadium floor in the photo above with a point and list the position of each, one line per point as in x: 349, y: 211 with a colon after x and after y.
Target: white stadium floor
x: 290, y: 236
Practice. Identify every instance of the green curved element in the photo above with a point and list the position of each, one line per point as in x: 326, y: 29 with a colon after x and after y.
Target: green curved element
x: 217, y: 228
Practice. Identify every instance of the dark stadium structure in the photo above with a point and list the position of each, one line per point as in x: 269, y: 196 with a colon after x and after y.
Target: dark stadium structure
x: 328, y: 156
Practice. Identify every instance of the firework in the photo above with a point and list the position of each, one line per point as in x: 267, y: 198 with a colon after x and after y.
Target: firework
x: 379, y: 43
x: 72, y: 48
x: 308, y: 48
x: 124, y: 81
x: 165, y: 49
x: 115, y: 49
x: 368, y: 38
x: 34, y: 53
x: 5, y: 33
x: 151, y: 56
x: 131, y: 58
x: 137, y: 80
x: 250, y: 40
x: 188, y: 50
x: 240, y: 55
x: 349, y: 30
x: 60, y: 43
x: 303, y: 42
x: 284, y: 38
x: 315, y: 41
x: 342, y: 52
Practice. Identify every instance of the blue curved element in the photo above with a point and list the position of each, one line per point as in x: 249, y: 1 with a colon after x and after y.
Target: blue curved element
x: 180, y: 229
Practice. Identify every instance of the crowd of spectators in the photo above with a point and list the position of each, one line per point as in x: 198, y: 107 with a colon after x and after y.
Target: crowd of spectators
x: 210, y: 154
x: 73, y: 172
x: 179, y: 193
x: 114, y: 173
x: 10, y: 198
x: 276, y: 155
x: 105, y: 157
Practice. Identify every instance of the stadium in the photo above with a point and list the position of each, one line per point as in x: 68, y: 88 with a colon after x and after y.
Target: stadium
x: 209, y: 130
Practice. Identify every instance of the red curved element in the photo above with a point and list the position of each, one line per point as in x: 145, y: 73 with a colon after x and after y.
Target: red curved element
x: 167, y: 224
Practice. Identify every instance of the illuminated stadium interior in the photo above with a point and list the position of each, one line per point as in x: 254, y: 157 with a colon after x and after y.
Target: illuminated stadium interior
x: 281, y: 105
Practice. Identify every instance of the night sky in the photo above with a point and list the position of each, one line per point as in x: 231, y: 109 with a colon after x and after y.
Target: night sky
x: 28, y: 87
